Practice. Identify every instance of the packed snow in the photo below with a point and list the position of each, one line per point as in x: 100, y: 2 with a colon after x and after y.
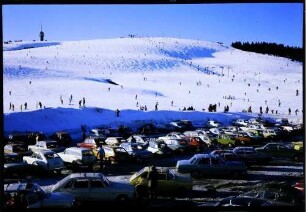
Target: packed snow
x: 132, y: 73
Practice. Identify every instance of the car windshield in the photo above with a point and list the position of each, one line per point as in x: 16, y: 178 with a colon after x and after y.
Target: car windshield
x: 105, y: 180
x: 171, y: 175
x: 51, y: 155
x: 140, y: 171
x: 192, y: 160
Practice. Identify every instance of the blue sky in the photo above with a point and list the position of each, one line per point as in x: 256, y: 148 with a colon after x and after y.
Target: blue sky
x: 273, y: 22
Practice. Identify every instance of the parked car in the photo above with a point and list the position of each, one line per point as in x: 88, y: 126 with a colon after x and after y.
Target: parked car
x: 170, y: 183
x: 19, y: 137
x: 197, y: 143
x: 251, y: 156
x: 182, y: 125
x: 94, y: 187
x: 78, y: 157
x: 14, y: 166
x: 91, y: 143
x: 212, y: 123
x: 241, y: 123
x: 64, y: 138
x: 147, y: 129
x: 31, y: 195
x: 279, y: 150
x: 242, y: 138
x: 99, y: 133
x: 138, y: 139
x: 208, y: 165
x: 224, y: 140
x: 137, y: 151
x: 298, y: 145
x: 227, y: 155
x: 46, y: 160
x: 178, y: 145
x: 115, y: 141
x: 269, y: 134
x: 201, y: 134
x: 19, y: 148
x: 114, y: 154
x: 51, y: 145
x: 159, y: 148
x: 28, y: 138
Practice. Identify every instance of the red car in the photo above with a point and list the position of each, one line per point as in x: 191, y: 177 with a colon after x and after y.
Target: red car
x: 91, y: 143
x: 196, y: 142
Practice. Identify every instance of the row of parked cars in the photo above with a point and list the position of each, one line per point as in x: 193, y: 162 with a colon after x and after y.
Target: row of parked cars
x: 82, y: 188
x: 50, y: 156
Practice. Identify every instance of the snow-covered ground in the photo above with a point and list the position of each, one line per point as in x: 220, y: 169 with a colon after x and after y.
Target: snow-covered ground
x: 109, y: 73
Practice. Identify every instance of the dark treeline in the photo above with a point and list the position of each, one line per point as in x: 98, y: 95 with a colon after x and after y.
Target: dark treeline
x: 293, y: 53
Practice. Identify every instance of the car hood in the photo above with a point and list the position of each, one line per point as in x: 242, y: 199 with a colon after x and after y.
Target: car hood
x: 183, y: 162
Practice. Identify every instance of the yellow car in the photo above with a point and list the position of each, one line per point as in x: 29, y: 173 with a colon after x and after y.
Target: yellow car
x: 169, y: 183
x: 298, y: 145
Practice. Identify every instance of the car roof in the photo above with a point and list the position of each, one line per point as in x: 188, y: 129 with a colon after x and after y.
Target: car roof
x: 77, y: 148
x: 86, y: 175
x: 158, y: 168
x: 206, y: 156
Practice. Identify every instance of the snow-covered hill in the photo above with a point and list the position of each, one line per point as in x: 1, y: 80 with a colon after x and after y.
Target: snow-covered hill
x: 109, y: 73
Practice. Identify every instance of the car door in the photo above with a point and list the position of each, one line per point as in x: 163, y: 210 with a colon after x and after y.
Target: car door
x: 166, y: 185
x: 204, y: 167
x: 219, y: 167
x: 80, y: 188
x: 98, y: 191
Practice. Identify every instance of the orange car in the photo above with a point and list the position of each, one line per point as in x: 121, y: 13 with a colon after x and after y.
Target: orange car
x: 197, y: 143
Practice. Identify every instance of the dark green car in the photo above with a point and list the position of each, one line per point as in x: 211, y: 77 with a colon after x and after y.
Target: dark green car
x: 279, y: 150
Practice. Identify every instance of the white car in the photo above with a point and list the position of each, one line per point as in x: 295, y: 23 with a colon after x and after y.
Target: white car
x: 115, y: 140
x: 78, y: 156
x: 51, y: 145
x: 212, y: 123
x: 94, y: 187
x: 47, y: 160
x: 241, y: 122
x: 33, y: 196
x: 173, y: 135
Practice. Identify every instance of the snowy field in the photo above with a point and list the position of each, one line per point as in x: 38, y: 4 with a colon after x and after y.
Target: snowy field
x: 109, y: 73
